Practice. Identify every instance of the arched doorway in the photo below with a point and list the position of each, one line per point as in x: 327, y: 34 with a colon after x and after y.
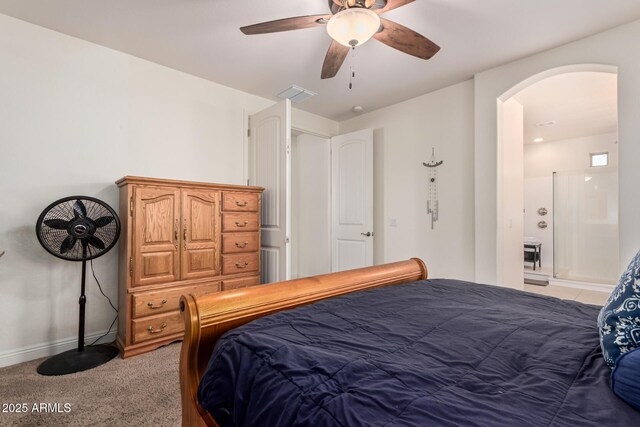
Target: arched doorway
x: 510, y: 171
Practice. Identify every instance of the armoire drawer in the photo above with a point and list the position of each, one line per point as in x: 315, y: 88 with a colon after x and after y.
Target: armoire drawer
x: 242, y: 282
x: 240, y: 222
x: 162, y: 301
x: 239, y: 242
x: 242, y: 202
x: 151, y: 327
x: 240, y: 263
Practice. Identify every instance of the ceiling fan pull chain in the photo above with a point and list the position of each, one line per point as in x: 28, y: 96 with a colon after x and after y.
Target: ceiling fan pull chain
x: 352, y: 72
x: 351, y: 76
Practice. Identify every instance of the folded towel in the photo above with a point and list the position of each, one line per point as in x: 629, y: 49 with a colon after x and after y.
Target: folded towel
x: 531, y: 241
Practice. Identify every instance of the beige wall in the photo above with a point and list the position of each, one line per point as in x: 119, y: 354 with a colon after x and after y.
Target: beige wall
x: 313, y: 124
x: 545, y: 158
x: 403, y: 137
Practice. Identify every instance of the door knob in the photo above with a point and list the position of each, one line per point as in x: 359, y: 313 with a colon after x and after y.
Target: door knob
x: 368, y: 234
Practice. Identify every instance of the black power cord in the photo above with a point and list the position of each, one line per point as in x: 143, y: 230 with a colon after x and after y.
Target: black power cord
x: 93, y: 273
x: 100, y: 287
x: 107, y: 333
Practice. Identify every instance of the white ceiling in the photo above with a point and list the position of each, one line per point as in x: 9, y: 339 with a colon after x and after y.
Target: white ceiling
x: 201, y: 37
x: 580, y: 104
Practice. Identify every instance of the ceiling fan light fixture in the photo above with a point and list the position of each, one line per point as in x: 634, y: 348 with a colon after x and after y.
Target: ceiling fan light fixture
x: 354, y: 26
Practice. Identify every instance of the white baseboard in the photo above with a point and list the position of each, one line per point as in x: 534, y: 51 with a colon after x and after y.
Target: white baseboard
x: 600, y: 287
x: 536, y: 275
x: 37, y: 351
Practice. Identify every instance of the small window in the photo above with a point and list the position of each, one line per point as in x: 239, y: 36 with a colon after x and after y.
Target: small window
x: 599, y: 159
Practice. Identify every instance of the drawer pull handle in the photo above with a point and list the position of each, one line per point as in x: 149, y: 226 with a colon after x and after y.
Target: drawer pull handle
x: 241, y: 225
x: 241, y: 204
x: 156, y: 331
x: 241, y: 245
x: 242, y: 266
x: 153, y: 307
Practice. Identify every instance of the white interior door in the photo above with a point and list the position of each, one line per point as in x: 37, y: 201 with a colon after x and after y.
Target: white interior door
x: 352, y: 200
x: 270, y: 167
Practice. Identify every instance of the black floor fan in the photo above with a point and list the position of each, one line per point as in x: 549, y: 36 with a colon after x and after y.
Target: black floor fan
x: 78, y: 228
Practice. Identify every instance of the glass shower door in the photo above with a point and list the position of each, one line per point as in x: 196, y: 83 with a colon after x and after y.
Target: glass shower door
x: 585, y: 225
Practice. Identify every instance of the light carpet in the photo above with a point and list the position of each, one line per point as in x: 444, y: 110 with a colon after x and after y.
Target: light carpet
x: 138, y: 391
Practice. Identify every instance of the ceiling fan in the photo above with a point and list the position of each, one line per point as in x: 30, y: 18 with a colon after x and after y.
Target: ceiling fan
x: 352, y: 23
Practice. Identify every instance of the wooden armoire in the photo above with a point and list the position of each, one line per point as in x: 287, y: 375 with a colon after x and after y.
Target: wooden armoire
x: 180, y: 237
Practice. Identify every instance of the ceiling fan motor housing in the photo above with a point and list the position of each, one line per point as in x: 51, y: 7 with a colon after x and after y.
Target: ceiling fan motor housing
x: 337, y: 5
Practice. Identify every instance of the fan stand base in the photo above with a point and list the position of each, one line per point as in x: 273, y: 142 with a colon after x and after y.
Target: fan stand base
x: 73, y: 361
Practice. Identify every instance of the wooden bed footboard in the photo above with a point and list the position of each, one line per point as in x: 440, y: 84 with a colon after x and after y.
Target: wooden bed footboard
x: 209, y: 316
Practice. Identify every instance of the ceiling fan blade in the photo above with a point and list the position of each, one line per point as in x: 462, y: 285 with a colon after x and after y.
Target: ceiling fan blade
x: 406, y: 40
x: 102, y: 221
x: 287, y: 24
x: 58, y: 224
x: 67, y: 244
x: 95, y: 242
x: 79, y: 210
x: 392, y: 4
x: 334, y: 59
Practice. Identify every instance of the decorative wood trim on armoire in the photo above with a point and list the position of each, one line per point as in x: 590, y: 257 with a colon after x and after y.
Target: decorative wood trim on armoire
x: 178, y: 238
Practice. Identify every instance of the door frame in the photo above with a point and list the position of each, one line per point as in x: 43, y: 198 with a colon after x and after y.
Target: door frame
x: 299, y: 129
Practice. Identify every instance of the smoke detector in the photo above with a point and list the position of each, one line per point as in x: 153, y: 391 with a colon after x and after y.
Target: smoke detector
x: 357, y: 109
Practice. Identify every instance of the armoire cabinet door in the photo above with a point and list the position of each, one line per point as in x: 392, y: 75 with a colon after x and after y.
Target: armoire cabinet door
x: 156, y: 247
x: 200, y: 233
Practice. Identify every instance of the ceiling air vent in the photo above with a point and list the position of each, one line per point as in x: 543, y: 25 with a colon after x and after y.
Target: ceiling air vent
x: 296, y: 94
x: 545, y: 124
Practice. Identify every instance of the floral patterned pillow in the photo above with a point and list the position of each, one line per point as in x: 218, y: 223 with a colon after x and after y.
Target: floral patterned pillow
x: 619, y: 319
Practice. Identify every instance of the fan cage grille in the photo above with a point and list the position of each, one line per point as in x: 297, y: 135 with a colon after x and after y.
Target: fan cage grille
x: 69, y: 210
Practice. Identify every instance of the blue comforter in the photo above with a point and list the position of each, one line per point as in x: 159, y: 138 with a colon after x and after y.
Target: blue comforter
x: 429, y: 353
